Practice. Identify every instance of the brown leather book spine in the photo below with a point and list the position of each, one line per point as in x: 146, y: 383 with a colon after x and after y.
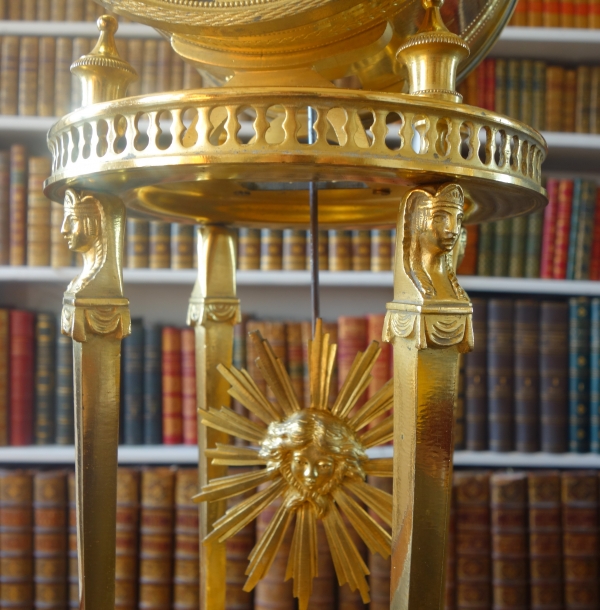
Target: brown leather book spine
x: 271, y: 250
x: 380, y: 568
x: 545, y: 541
x: 323, y: 249
x: 160, y: 244
x: 527, y: 378
x: 476, y: 382
x: 135, y: 54
x: 9, y: 74
x: 191, y: 77
x: 16, y: 539
x: 22, y: 381
x: 28, y: 76
x: 381, y: 250
x: 294, y: 250
x: 43, y: 10
x: 323, y: 595
x: 4, y: 207
x: 149, y: 66
x: 4, y: 375
x: 13, y: 11
x: 18, y: 204
x: 75, y: 10
x: 138, y: 243
x: 340, y: 250
x: 128, y: 514
x: 58, y: 11
x: 163, y: 67
x: 28, y: 10
x: 468, y: 265
x: 186, y: 568
x: 555, y: 82
x: 534, y: 13
x: 62, y: 76
x: 567, y: 13
x: 295, y: 361
x: 583, y: 99
x: 352, y: 338
x: 550, y: 13
x: 182, y: 246
x: 581, y: 13
x: 38, y: 213
x: 50, y: 539
x: 579, y: 495
x: 473, y: 543
x: 554, y: 376
x: 60, y: 255
x: 156, y: 539
x: 73, y: 566
x: 188, y: 386
x: 361, y: 250
x: 45, y: 84
x: 509, y: 516
x: 275, y: 333
x: 171, y: 386
x: 570, y: 101
x: 248, y: 249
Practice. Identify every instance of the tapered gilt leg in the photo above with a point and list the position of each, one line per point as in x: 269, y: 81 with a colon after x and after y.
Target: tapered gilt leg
x: 429, y: 323
x: 213, y: 311
x: 96, y: 316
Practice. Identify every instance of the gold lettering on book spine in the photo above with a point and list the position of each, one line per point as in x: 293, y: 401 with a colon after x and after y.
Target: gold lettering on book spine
x: 96, y: 315
x: 429, y: 323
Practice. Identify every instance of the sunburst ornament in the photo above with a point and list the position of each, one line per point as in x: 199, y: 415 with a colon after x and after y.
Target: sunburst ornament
x: 314, y: 459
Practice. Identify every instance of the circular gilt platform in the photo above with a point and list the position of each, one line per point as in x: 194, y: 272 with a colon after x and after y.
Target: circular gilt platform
x: 242, y: 157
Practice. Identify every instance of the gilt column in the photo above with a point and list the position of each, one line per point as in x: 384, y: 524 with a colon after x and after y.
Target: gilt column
x: 429, y: 324
x: 213, y: 312
x: 96, y: 315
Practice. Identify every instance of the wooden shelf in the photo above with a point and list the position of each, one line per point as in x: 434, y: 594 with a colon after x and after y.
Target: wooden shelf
x: 188, y: 454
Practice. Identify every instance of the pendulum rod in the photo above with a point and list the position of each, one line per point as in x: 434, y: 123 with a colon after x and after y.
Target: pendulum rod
x: 313, y: 194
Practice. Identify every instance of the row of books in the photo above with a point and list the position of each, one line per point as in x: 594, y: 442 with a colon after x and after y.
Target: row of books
x: 557, y: 13
x: 51, y: 10
x: 562, y: 242
x: 547, y: 97
x: 35, y: 76
x: 158, y: 402
x: 533, y: 380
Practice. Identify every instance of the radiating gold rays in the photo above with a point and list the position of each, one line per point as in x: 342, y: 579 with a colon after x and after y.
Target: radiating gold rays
x: 314, y: 459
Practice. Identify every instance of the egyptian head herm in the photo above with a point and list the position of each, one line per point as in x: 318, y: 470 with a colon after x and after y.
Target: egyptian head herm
x: 82, y: 223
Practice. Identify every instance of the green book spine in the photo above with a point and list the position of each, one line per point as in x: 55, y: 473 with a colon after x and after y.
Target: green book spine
x: 513, y: 69
x: 500, y: 90
x: 526, y: 92
x: 574, y: 228
x: 518, y: 235
x: 595, y: 376
x: 486, y: 249
x: 585, y: 230
x: 153, y: 385
x: 501, y: 250
x: 45, y: 366
x: 133, y: 385
x: 538, y: 95
x: 579, y: 374
x: 64, y: 390
x: 533, y: 247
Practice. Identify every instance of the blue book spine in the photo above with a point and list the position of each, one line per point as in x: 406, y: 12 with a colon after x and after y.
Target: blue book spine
x: 574, y: 228
x: 133, y: 385
x: 65, y: 411
x: 153, y: 386
x: 583, y: 248
x: 579, y: 374
x: 595, y: 376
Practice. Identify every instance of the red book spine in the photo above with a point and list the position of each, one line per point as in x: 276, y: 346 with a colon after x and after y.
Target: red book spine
x: 171, y: 386
x: 563, y: 227
x: 490, y: 84
x: 595, y: 254
x: 21, y: 377
x: 481, y: 84
x: 188, y: 386
x: 549, y: 230
x: 381, y: 370
x: 352, y: 338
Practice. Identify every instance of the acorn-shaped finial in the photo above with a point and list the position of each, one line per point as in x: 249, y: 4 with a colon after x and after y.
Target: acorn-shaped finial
x: 432, y: 56
x: 103, y: 74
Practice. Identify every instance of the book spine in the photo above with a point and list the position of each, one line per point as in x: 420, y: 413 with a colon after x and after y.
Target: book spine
x: 149, y: 66
x: 4, y: 207
x: 160, y: 244
x: 594, y: 15
x: 128, y: 514
x: 248, y: 249
x: 533, y: 244
x: 62, y: 76
x: 21, y: 377
x: 581, y: 13
x: 595, y: 375
x: 153, y: 385
x: 171, y: 386
x: 518, y: 239
x: 485, y: 264
x: 563, y: 228
x: 45, y: 84
x: 182, y: 246
x: 271, y: 250
x: 574, y: 227
x: 138, y: 243
x: 38, y: 213
x: 323, y: 249
x: 470, y: 94
x: 73, y: 565
x: 275, y: 334
x: 519, y: 17
x: 4, y: 375
x: 513, y: 70
x: 323, y: 595
x: 555, y: 96
x: 64, y: 391
x: 18, y: 204
x: 525, y: 91
x: 500, y: 374
x: 58, y: 10
x: 551, y: 13
x: 381, y: 250
x: 534, y: 13
x: 473, y: 544
x: 501, y: 259
x: 361, y: 250
x: 186, y: 567
x: 567, y: 13
x: 583, y: 99
x: 251, y: 356
x: 500, y: 88
x: 538, y: 105
x: 509, y: 540
x: 595, y: 93
x: 579, y: 374
x: 295, y: 363
x: 489, y: 67
x: 468, y: 264
x: 188, y: 386
x: 156, y: 539
x: 545, y: 540
x: 294, y: 250
x: 135, y: 54
x: 28, y: 76
x: 381, y: 369
x: 45, y: 368
x: 476, y: 423
x: 75, y: 10
x: 595, y: 250
x: 347, y: 599
x: 352, y: 338
x: 380, y: 568
x: 579, y: 496
x: 176, y: 72
x: 584, y: 236
x: 50, y: 539
x: 340, y: 250
x: 133, y: 350
x: 9, y: 74
x: 549, y: 230
x: 526, y: 367
x: 570, y: 99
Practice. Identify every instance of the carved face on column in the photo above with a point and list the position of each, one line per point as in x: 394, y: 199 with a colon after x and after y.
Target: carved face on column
x: 440, y: 223
x: 82, y: 223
